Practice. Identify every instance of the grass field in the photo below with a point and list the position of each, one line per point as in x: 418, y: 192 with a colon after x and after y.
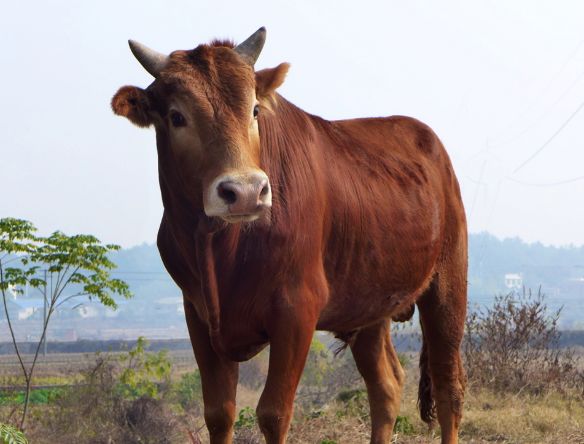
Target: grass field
x: 69, y: 365
x: 488, y: 417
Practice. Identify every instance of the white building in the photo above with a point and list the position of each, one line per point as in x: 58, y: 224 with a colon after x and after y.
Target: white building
x: 25, y: 307
x: 514, y: 281
x: 173, y: 303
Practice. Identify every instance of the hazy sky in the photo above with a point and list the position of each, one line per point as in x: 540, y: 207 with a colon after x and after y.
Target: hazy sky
x: 495, y: 79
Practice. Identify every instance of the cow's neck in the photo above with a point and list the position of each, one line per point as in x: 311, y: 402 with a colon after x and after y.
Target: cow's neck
x: 294, y: 166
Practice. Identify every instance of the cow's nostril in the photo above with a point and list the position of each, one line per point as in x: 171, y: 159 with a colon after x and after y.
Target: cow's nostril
x: 227, y: 193
x: 265, y: 190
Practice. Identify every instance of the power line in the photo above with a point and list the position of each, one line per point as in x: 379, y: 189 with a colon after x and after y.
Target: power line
x: 474, y: 200
x: 542, y: 115
x: 543, y: 90
x: 137, y: 272
x: 547, y: 142
x: 549, y: 184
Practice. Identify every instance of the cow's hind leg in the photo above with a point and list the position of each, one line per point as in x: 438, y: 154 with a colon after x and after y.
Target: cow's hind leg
x: 378, y: 363
x: 218, y: 378
x: 442, y: 313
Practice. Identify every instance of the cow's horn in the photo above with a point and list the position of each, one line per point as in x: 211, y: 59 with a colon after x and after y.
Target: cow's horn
x: 250, y: 49
x: 152, y: 61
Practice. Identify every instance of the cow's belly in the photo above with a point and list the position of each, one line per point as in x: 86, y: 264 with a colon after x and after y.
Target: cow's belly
x: 377, y: 278
x: 346, y: 312
x: 240, y: 353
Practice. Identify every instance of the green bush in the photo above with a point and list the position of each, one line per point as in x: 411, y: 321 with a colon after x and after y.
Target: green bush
x: 404, y: 359
x: 325, y: 375
x: 354, y: 403
x: 403, y: 426
x: 246, y: 419
x: 317, y: 366
x: 188, y: 390
x: 143, y: 372
x: 37, y: 396
x: 11, y: 435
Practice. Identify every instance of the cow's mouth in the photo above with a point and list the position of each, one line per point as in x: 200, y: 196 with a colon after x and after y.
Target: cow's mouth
x: 236, y: 218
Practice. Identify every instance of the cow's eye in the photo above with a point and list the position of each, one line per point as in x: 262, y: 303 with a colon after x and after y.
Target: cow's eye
x: 177, y: 119
x: 256, y: 111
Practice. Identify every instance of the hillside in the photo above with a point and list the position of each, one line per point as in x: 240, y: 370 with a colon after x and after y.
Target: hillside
x: 156, y: 310
x: 558, y: 270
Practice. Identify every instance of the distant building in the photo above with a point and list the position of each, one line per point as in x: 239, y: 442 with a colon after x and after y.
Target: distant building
x: 23, y: 306
x: 513, y: 281
x: 27, y: 307
x: 173, y: 303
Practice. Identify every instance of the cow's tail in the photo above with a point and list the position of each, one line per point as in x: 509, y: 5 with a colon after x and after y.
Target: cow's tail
x: 426, y: 403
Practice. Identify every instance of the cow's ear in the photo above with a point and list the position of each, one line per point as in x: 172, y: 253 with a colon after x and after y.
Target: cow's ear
x: 132, y: 102
x: 268, y: 80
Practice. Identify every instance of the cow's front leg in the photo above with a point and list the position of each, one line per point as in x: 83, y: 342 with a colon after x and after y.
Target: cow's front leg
x: 290, y: 337
x: 218, y: 378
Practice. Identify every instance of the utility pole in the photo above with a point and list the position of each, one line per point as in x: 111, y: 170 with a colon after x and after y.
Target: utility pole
x: 45, y: 316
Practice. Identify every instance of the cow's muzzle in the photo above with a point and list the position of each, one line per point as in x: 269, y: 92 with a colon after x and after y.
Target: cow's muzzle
x: 239, y: 197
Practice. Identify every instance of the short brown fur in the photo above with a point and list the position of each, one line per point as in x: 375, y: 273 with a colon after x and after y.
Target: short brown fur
x: 366, y: 221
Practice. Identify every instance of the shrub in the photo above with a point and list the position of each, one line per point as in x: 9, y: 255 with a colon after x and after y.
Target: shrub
x: 104, y: 410
x: 246, y: 419
x: 513, y: 346
x: 252, y: 373
x: 11, y: 435
x: 325, y: 375
x: 89, y: 410
x: 147, y: 420
x: 246, y: 431
x: 403, y: 426
x: 37, y: 396
x: 189, y: 392
x: 144, y: 372
x: 353, y: 403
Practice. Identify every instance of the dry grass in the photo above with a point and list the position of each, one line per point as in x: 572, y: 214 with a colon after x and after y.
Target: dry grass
x: 488, y: 418
x: 523, y: 419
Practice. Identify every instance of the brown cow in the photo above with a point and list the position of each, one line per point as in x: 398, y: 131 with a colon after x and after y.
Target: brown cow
x: 278, y: 223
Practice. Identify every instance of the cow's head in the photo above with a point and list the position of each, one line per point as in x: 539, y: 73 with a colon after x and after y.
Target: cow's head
x: 204, y: 104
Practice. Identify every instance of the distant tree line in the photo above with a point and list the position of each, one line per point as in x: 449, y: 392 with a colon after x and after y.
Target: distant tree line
x: 491, y: 258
